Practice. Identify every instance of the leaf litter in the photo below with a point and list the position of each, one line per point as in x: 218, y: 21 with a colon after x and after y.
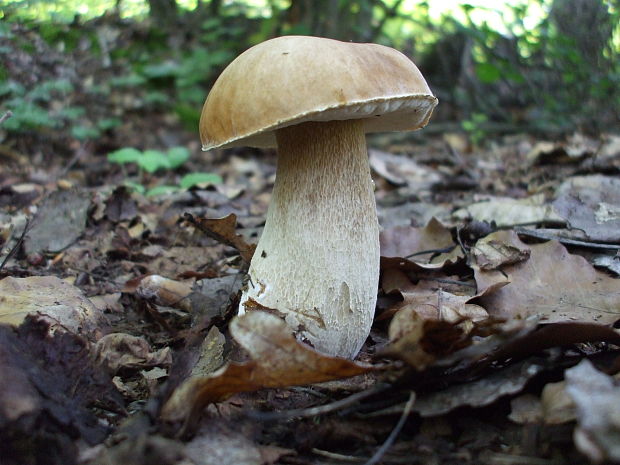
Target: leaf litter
x: 478, y: 318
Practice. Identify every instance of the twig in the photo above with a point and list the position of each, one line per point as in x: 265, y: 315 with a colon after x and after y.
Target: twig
x: 424, y: 252
x: 334, y: 456
x: 565, y: 240
x: 17, y: 245
x: 448, y: 281
x: 6, y: 116
x: 321, y: 409
x: 395, y: 432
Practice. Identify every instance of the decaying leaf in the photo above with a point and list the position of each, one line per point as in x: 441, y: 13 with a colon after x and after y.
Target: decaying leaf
x: 591, y: 204
x: 552, y: 285
x: 219, y: 443
x: 478, y: 393
x: 59, y: 222
x: 47, y: 382
x: 277, y: 359
x: 119, y: 351
x: 165, y: 291
x: 557, y: 406
x: 597, y: 401
x: 525, y: 409
x: 401, y: 247
x: 400, y: 170
x: 404, y: 241
x: 62, y: 304
x: 491, y: 253
x: 223, y: 230
x: 508, y: 211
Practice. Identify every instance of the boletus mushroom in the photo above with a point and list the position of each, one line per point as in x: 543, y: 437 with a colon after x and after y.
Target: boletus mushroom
x: 317, y: 260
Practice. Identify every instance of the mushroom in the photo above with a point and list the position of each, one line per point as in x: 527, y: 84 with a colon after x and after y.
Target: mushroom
x: 317, y: 261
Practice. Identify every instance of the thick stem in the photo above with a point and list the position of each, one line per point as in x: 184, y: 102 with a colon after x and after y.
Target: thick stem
x: 318, y: 258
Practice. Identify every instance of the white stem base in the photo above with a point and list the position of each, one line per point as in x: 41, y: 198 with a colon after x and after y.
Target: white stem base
x: 318, y: 258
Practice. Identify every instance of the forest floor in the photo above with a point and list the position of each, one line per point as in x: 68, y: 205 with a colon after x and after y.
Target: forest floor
x: 476, y: 355
x: 493, y: 340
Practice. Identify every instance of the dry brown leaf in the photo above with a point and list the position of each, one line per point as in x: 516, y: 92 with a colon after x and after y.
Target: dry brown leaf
x: 403, y: 241
x: 224, y: 230
x: 479, y: 393
x: 277, y: 359
x: 552, y: 285
x: 506, y: 211
x: 491, y: 253
x: 119, y: 351
x: 164, y: 291
x: 591, y: 204
x: 59, y: 302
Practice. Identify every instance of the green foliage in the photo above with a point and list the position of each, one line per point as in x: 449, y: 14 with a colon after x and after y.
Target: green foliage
x: 156, y: 160
x: 151, y: 160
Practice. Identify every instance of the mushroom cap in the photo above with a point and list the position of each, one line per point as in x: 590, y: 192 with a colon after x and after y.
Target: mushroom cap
x: 295, y: 79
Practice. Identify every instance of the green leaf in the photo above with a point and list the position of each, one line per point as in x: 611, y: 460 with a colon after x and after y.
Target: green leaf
x: 135, y: 186
x: 161, y: 190
x: 177, y: 156
x: 125, y: 155
x: 488, y: 73
x: 85, y: 132
x: 203, y: 179
x: 153, y: 160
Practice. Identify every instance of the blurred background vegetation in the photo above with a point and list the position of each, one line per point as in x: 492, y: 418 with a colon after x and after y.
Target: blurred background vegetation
x: 114, y: 73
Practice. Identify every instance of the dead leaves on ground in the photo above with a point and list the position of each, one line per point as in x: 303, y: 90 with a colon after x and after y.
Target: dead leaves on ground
x: 276, y: 359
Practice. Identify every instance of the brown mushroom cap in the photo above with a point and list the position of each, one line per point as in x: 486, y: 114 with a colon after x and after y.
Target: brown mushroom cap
x: 294, y: 79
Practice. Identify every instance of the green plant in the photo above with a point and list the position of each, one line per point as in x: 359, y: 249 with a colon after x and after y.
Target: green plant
x: 474, y: 126
x: 155, y: 160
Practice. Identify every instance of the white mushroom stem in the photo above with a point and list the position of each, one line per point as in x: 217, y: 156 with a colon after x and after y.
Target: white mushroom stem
x: 318, y: 258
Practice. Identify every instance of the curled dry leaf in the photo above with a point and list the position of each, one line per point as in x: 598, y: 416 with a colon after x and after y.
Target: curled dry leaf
x: 429, y: 321
x: 119, y: 351
x: 277, y: 359
x: 491, y: 254
x: 164, y: 291
x: 223, y: 230
x: 552, y: 285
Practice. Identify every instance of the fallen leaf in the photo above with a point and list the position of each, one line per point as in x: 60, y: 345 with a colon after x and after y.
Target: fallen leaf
x: 525, y: 409
x: 404, y: 241
x: 552, y: 285
x: 591, y: 204
x: 59, y: 222
x: 120, y: 351
x: 277, y: 359
x: 597, y: 402
x: 166, y: 292
x: 479, y: 393
x: 557, y: 406
x: 400, y: 170
x: 491, y: 254
x: 60, y: 303
x: 219, y: 443
x: 505, y: 211
x: 48, y: 382
x: 224, y: 230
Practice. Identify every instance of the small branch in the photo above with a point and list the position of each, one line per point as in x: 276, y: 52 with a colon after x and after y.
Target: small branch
x: 15, y: 248
x: 565, y: 240
x: 321, y: 409
x: 395, y: 432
